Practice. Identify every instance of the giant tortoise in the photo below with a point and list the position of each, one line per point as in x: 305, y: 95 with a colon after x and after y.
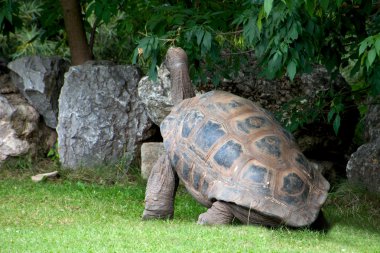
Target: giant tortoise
x: 234, y: 158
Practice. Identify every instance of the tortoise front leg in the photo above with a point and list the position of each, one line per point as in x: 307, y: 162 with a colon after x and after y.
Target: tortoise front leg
x: 160, y: 191
x: 218, y: 214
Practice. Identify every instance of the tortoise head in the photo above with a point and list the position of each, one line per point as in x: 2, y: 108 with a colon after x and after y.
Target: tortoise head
x: 176, y: 58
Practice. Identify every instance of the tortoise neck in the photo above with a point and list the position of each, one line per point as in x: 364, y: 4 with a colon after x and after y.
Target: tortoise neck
x: 181, y: 83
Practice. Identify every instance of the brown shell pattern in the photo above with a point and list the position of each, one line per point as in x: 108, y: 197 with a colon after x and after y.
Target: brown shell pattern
x: 225, y: 147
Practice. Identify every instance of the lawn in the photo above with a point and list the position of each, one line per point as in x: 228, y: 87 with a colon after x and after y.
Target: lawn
x: 76, y: 215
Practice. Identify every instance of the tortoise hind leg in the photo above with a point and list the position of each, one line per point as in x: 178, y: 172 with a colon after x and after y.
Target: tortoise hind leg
x: 160, y: 191
x: 218, y: 214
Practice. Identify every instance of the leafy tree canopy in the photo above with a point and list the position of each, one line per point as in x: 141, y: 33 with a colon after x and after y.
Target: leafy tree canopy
x: 286, y: 37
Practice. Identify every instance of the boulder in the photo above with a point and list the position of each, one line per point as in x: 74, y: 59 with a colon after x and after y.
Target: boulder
x: 22, y: 131
x: 156, y: 95
x: 150, y: 152
x: 10, y: 144
x: 372, y: 122
x: 40, y: 80
x: 364, y: 166
x: 101, y: 119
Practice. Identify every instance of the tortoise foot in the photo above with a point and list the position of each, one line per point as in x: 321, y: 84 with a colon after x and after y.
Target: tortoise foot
x: 218, y: 214
x: 152, y: 215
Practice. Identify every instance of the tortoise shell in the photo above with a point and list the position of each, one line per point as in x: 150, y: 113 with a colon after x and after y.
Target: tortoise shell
x: 224, y: 147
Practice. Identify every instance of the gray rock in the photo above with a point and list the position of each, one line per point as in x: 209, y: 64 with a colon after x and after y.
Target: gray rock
x: 101, y: 118
x: 44, y: 176
x: 150, y: 152
x: 156, y: 95
x: 10, y: 143
x: 273, y: 94
x: 6, y: 85
x: 364, y: 166
x: 21, y: 130
x: 372, y: 122
x: 40, y: 81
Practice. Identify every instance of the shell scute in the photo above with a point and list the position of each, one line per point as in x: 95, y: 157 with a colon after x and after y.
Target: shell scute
x: 292, y: 184
x: 257, y: 174
x: 208, y: 135
x: 294, y: 200
x: 270, y: 145
x: 227, y: 154
x: 250, y: 124
x: 190, y: 120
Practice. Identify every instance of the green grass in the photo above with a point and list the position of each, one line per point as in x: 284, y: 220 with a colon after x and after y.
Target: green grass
x: 69, y: 215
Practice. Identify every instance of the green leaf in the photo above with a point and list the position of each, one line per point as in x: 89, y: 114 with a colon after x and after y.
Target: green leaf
x: 274, y: 63
x: 8, y: 9
x: 339, y: 3
x: 377, y: 46
x: 324, y: 4
x: 310, y: 6
x: 371, y: 56
x: 199, y: 33
x: 374, y: 80
x: 268, y: 4
x: 260, y: 20
x: 331, y: 114
x: 363, y: 46
x: 135, y: 55
x: 336, y: 124
x: 249, y: 31
x: 291, y: 69
x: 51, y: 153
x: 293, y: 33
x: 206, y: 42
x: 152, y: 72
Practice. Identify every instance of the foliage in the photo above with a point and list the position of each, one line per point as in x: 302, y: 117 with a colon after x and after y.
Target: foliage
x: 53, y: 153
x: 25, y: 34
x: 199, y: 29
x: 324, y: 107
x: 287, y: 37
x: 299, y: 112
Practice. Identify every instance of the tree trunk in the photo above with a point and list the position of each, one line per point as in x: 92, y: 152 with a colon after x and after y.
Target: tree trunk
x: 79, y: 48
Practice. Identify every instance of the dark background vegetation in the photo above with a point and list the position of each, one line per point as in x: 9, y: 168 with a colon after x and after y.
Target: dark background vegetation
x: 285, y: 38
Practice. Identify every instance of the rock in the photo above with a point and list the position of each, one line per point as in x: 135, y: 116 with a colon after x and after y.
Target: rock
x: 22, y: 131
x: 150, y: 152
x: 41, y: 177
x: 40, y: 81
x: 364, y: 166
x: 372, y: 122
x: 6, y: 85
x: 101, y: 119
x: 156, y: 95
x: 273, y: 94
x: 10, y: 143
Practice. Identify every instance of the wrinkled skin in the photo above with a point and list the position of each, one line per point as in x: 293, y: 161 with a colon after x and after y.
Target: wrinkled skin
x: 176, y: 62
